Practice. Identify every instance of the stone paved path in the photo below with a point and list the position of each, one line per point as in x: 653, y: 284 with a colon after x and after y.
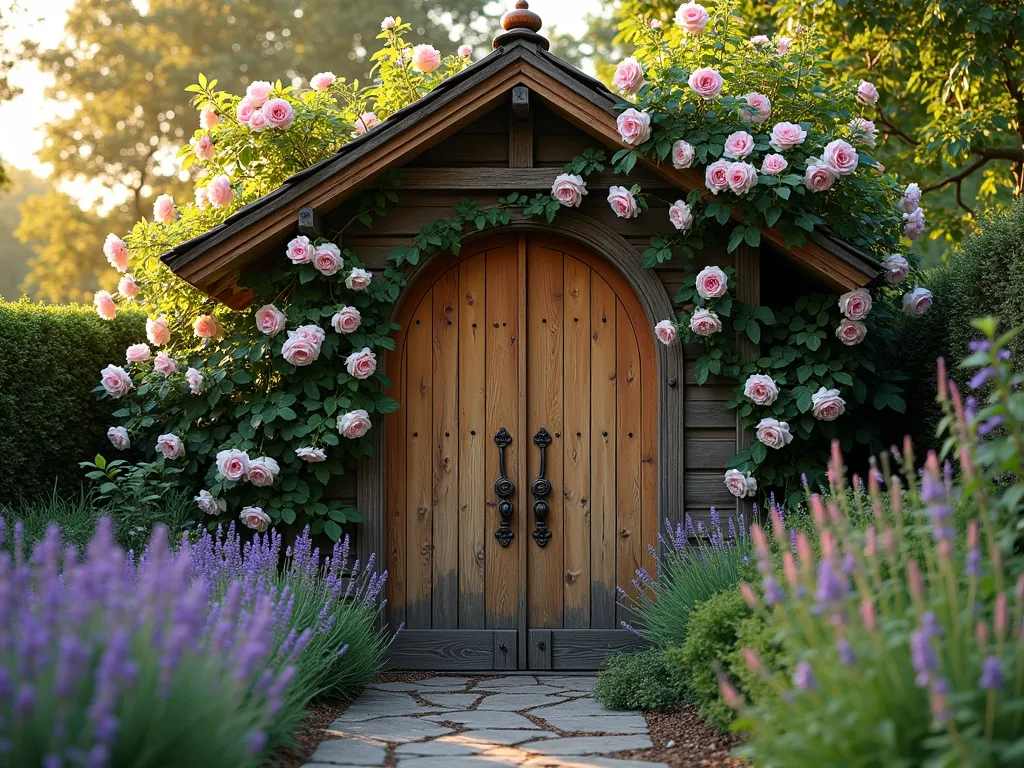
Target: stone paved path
x: 459, y: 722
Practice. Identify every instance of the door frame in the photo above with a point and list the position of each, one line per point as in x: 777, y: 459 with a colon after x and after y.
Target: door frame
x: 470, y: 649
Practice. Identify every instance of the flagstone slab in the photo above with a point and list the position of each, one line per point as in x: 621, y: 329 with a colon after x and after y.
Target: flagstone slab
x: 620, y: 723
x: 588, y: 745
x: 352, y: 751
x: 474, y: 761
x: 555, y: 761
x: 394, y: 730
x: 528, y: 688
x: 505, y: 682
x: 450, y: 700
x: 586, y: 683
x: 478, y: 719
x: 583, y: 707
x: 374, y: 704
x: 515, y: 702
x: 445, y: 682
x: 504, y: 738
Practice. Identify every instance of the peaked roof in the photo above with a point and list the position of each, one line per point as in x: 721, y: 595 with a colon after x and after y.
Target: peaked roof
x: 212, y: 260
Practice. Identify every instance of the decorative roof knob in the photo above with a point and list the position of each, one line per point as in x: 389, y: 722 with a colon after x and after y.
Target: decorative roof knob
x: 521, y: 24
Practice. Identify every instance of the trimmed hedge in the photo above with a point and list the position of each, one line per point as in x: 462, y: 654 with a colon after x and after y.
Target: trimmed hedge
x: 984, y: 275
x: 50, y: 360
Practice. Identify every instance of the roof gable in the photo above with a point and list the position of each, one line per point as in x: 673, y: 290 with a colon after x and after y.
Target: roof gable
x: 212, y: 260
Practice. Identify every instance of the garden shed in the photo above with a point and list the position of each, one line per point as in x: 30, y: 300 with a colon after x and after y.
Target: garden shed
x: 543, y: 436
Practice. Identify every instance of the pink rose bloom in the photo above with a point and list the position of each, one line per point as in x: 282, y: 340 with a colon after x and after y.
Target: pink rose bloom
x: 347, y: 320
x: 164, y: 364
x: 680, y: 216
x: 138, y: 353
x: 425, y: 58
x: 127, y: 287
x: 321, y: 81
x: 783, y: 44
x: 773, y: 165
x: 655, y: 23
x: 736, y: 482
x: 219, y: 192
x: 327, y: 259
x: 856, y: 304
x: 716, y: 176
x: 195, y: 380
x: 105, y: 306
x: 157, y: 331
x: 867, y: 94
x: 917, y: 302
x: 258, y: 92
x: 279, y: 114
x: 361, y: 364
x: 388, y: 23
x: 258, y: 121
x: 692, y: 17
x: 706, y: 82
x: 786, y: 136
x: 827, y: 405
x: 255, y: 518
x: 118, y: 437
x: 629, y: 76
x: 206, y: 327
x: 634, y: 126
x: 863, y: 131
x: 170, y: 446
x: 208, y: 117
x: 354, y: 424
x: 819, y: 177
x: 116, y: 252
x: 358, y: 279
x: 742, y: 177
x: 761, y: 389
x: 270, y: 320
x: 682, y: 154
x: 232, y: 464
x: 760, y: 41
x: 313, y: 333
x: 569, y: 189
x: 712, y: 283
x: 366, y: 121
x: 300, y: 250
x: 201, y: 201
x: 665, y: 331
x: 208, y: 505
x: 311, y: 455
x: 851, y: 332
x: 300, y: 349
x: 840, y: 157
x: 774, y: 433
x: 465, y: 50
x: 116, y: 381
x: 914, y: 225
x: 163, y: 209
x: 246, y: 109
x: 262, y: 471
x: 738, y: 145
x: 909, y: 203
x: 896, y: 269
x: 623, y: 203
x: 204, y: 147
x: 704, y: 322
x: 762, y: 108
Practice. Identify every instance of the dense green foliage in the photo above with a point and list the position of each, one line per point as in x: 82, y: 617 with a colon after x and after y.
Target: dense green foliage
x: 637, y: 681
x: 50, y: 357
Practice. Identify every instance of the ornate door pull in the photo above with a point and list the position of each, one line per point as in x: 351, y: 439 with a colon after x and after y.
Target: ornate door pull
x: 541, y: 487
x: 504, y: 488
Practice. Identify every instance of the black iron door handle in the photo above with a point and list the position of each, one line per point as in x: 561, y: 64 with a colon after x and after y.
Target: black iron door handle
x: 504, y: 488
x: 541, y: 487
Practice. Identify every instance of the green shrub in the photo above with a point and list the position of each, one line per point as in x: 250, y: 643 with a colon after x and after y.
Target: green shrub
x: 637, y: 681
x: 76, y: 515
x: 50, y: 360
x: 756, y: 634
x: 710, y: 644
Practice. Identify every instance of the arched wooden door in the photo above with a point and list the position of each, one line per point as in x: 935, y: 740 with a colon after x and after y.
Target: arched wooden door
x: 525, y: 350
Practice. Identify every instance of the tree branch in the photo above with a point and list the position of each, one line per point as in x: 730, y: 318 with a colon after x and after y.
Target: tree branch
x: 895, y: 130
x: 957, y: 177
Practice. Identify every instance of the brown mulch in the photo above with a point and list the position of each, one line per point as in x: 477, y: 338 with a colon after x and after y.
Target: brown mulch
x: 695, y: 742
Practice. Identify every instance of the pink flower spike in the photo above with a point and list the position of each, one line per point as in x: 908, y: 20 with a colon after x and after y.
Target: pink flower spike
x: 778, y: 528
x: 943, y: 391
x: 760, y: 542
x: 729, y: 693
x: 871, y: 543
x: 753, y: 661
x: 981, y: 634
x: 803, y: 550
x: 827, y: 548
x: 789, y: 569
x: 915, y: 582
x: 818, y: 510
x: 867, y: 614
x: 748, y: 594
x: 1001, y: 617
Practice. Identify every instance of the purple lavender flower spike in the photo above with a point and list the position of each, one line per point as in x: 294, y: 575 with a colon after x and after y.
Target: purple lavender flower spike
x: 923, y: 658
x: 989, y: 425
x: 991, y: 674
x: 846, y: 655
x: 803, y: 677
x: 979, y: 345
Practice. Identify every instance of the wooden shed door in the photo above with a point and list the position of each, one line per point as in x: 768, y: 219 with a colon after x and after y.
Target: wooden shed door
x: 528, y: 358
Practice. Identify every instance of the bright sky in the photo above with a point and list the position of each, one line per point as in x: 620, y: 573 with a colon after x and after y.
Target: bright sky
x: 22, y: 119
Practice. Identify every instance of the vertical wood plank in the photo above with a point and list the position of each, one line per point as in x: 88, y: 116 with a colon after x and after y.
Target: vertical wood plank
x: 523, y: 527
x: 629, y: 501
x: 419, y: 455
x: 520, y: 135
x: 505, y: 653
x: 748, y: 290
x: 649, y: 517
x: 576, y: 323
x: 603, y: 443
x: 544, y: 366
x: 394, y: 499
x: 473, y: 440
x: 502, y: 363
x: 445, y: 451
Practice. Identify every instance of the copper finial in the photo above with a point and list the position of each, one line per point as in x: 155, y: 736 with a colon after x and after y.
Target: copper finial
x: 521, y: 24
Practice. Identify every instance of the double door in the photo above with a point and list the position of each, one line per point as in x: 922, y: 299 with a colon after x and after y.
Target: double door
x: 521, y: 467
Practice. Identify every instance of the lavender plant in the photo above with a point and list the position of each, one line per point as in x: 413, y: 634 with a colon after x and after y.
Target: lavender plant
x: 906, y: 646
x: 695, y: 563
